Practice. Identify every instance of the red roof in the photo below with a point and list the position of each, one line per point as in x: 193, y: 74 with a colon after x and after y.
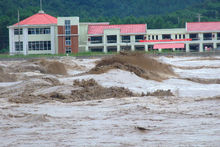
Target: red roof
x: 203, y: 26
x: 124, y: 29
x: 169, y: 45
x: 38, y: 19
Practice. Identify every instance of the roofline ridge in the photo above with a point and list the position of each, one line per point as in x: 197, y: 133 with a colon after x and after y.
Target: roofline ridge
x: 48, y: 18
x: 114, y: 24
x: 205, y: 22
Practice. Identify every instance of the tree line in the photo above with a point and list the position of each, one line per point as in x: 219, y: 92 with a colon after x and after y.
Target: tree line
x: 156, y: 14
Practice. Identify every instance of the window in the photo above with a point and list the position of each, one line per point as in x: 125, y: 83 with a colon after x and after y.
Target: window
x: 152, y: 37
x: 67, y: 22
x: 218, y: 36
x: 194, y: 37
x: 67, y: 27
x: 67, y: 40
x: 96, y: 39
x: 37, y: 30
x: 112, y: 39
x: 33, y: 31
x: 180, y: 36
x: 148, y: 37
x: 184, y: 36
x: 18, y: 46
x: 39, y: 45
x: 139, y: 37
x: 17, y: 32
x: 68, y: 50
x: 175, y: 36
x: 126, y: 39
x: 47, y: 31
x: 207, y: 36
x: 156, y: 37
x: 166, y: 36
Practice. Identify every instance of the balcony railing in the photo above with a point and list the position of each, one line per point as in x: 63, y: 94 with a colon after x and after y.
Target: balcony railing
x: 195, y: 39
x: 111, y: 41
x: 96, y: 42
x: 207, y: 38
x: 138, y: 40
x: 126, y: 41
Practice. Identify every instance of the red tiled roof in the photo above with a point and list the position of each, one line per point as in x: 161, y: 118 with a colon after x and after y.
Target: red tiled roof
x: 38, y: 19
x: 124, y: 29
x: 203, y: 26
x: 168, y: 45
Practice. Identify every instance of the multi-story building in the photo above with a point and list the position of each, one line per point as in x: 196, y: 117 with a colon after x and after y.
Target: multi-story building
x: 45, y: 34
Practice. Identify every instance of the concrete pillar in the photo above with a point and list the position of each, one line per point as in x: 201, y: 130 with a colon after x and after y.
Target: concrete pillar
x: 52, y: 39
x: 105, y: 43
x: 174, y: 49
x: 201, y: 36
x: 146, y: 47
x: 132, y: 48
x: 87, y: 48
x: 118, y: 48
x: 132, y: 39
x: 105, y: 49
x: 214, y: 45
x: 25, y: 41
x: 118, y: 39
x: 11, y: 41
x: 215, y: 36
x: 160, y: 50
x: 187, y: 47
x: 200, y: 47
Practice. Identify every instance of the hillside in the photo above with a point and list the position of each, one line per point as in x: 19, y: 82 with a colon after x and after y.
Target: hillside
x: 158, y: 14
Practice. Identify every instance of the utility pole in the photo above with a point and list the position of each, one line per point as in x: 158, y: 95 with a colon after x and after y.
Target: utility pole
x: 41, y: 9
x: 19, y: 42
x: 199, y: 17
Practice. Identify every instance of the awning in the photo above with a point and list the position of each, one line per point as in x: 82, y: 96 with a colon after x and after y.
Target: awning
x: 169, y: 45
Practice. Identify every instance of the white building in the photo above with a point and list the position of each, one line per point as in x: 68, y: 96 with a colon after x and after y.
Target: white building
x: 45, y: 34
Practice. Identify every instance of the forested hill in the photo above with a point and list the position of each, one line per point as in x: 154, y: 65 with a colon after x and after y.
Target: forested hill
x: 156, y: 13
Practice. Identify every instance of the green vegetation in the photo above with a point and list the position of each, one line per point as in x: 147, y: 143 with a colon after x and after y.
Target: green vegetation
x: 156, y: 13
x: 57, y: 55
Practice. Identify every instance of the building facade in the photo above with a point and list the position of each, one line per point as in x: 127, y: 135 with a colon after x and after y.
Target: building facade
x: 45, y: 34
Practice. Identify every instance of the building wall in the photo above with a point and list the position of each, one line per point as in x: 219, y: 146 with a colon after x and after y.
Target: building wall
x: 74, y: 37
x: 26, y: 38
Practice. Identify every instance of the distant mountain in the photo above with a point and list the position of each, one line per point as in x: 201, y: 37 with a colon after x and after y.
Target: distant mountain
x: 157, y: 13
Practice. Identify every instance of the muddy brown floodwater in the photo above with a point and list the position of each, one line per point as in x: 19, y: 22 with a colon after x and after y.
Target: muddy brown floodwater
x: 124, y: 100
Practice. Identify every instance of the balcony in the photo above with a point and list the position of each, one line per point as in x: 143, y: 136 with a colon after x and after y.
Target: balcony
x: 207, y: 36
x: 112, y: 39
x: 125, y: 39
x: 194, y: 37
x: 96, y: 40
x: 139, y: 37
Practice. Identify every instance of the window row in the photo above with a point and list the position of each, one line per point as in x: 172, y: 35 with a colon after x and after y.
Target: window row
x: 113, y: 39
x: 33, y: 31
x: 39, y: 45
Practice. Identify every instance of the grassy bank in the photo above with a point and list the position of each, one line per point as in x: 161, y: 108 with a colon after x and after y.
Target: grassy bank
x: 3, y: 56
